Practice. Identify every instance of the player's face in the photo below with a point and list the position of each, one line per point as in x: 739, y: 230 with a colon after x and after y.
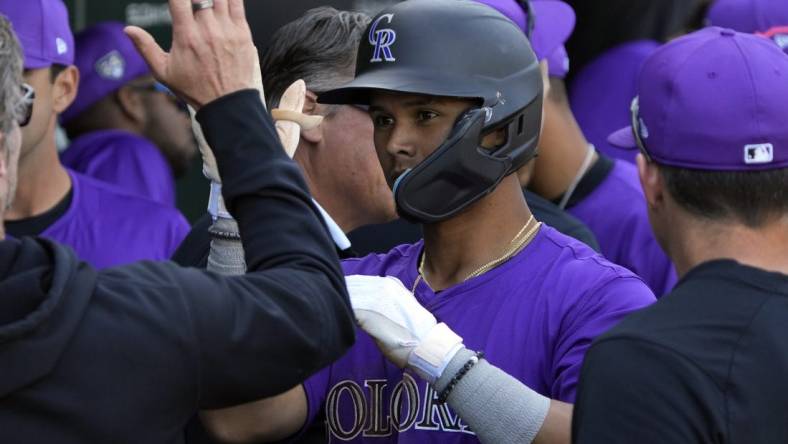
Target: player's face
x: 409, y: 127
x: 169, y: 127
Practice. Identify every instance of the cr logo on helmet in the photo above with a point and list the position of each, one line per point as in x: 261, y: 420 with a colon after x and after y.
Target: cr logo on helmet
x: 382, y: 39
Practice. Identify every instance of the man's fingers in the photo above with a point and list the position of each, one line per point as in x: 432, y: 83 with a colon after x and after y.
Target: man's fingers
x: 221, y: 9
x: 182, y: 16
x: 206, y: 21
x: 236, y: 9
x: 150, y: 51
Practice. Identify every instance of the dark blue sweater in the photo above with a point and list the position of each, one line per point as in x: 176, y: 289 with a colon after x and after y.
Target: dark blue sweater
x: 130, y: 354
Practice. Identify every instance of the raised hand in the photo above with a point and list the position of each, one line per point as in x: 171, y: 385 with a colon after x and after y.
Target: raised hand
x: 212, y: 53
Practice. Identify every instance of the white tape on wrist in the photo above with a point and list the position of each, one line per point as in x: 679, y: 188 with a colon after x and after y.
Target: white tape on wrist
x: 216, y: 206
x: 435, y: 352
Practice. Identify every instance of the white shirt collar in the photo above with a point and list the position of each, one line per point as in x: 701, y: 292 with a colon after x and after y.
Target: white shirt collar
x: 340, y: 240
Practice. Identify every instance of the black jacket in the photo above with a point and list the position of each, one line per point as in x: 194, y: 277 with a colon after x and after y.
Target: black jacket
x: 129, y: 354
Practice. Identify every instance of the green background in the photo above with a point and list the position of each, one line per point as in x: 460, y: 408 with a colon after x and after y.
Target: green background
x: 264, y: 16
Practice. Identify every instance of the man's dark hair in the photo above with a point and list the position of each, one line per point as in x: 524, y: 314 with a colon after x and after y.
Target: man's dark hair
x: 55, y: 71
x: 319, y: 47
x: 752, y: 198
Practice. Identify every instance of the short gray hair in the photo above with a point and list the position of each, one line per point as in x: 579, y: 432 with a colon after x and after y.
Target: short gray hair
x: 10, y: 76
x: 318, y: 47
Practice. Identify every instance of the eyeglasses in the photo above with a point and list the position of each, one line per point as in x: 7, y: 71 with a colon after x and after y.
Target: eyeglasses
x: 25, y: 107
x: 638, y: 128
x: 161, y: 88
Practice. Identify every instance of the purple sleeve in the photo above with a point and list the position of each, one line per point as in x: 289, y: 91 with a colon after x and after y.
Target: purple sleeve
x: 315, y: 388
x: 353, y: 266
x: 597, y: 312
x: 179, y: 228
x: 142, y: 172
x: 139, y: 169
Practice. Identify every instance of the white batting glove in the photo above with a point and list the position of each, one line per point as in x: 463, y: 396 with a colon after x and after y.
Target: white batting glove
x: 407, y: 334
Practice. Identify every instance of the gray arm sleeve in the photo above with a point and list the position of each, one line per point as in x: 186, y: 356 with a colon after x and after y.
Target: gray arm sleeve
x: 226, y: 255
x: 498, y: 407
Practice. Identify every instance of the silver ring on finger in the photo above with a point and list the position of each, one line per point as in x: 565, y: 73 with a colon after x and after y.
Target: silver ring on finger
x: 202, y: 4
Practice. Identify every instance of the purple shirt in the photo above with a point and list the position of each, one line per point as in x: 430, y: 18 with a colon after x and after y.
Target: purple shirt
x: 534, y: 317
x: 107, y: 227
x: 615, y: 211
x: 125, y: 160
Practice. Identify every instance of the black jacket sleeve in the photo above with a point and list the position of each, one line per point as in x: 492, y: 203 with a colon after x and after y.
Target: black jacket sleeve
x: 264, y: 332
x: 635, y: 391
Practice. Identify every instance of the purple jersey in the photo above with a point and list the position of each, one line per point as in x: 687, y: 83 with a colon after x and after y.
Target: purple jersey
x: 534, y: 317
x: 107, y: 227
x: 125, y: 160
x: 615, y: 211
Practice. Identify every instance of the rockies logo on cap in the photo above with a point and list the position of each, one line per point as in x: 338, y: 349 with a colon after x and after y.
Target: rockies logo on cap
x: 112, y: 66
x: 382, y: 39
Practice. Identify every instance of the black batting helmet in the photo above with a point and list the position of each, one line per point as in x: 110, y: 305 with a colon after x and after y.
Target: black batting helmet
x: 453, y: 48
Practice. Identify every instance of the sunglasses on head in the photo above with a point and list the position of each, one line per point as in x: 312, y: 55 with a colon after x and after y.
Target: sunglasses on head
x: 638, y: 128
x: 25, y: 107
x: 529, y: 17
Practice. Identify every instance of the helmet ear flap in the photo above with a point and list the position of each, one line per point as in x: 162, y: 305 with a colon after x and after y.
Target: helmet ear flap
x: 460, y: 171
x: 522, y: 135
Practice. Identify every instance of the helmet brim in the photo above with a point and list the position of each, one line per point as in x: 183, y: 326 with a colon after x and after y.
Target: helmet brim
x: 359, y: 90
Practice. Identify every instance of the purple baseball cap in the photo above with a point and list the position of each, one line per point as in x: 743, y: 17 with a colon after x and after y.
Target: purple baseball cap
x: 554, y: 22
x: 715, y: 100
x: 602, y: 90
x: 748, y: 15
x: 107, y: 60
x: 43, y: 31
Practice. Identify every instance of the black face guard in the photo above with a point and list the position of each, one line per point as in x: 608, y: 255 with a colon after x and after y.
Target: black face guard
x: 460, y: 172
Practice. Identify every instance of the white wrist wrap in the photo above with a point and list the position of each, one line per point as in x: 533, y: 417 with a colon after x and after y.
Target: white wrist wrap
x: 216, y: 206
x: 434, y: 352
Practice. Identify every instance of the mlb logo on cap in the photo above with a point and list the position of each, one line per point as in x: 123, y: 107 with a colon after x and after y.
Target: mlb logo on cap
x: 759, y: 153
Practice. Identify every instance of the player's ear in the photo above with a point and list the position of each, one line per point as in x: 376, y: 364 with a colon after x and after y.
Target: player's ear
x: 652, y: 182
x: 64, y: 88
x: 311, y: 107
x: 544, y: 68
x: 130, y: 103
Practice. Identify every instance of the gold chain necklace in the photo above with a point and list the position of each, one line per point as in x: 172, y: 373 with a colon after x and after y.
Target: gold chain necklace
x: 520, y: 241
